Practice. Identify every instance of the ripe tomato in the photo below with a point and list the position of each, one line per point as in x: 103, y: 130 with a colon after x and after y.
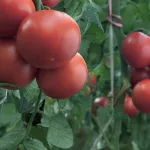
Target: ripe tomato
x: 48, y: 39
x: 139, y: 75
x: 136, y: 49
x: 141, y: 96
x: 13, y: 69
x: 65, y: 81
x: 99, y: 102
x: 92, y: 81
x: 12, y: 12
x: 51, y: 3
x: 129, y: 107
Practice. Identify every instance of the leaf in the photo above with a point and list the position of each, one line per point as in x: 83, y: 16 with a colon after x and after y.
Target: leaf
x: 49, y: 112
x: 2, y: 93
x: 31, y: 92
x: 90, y: 15
x: 34, y: 144
x: 95, y: 34
x: 59, y: 133
x: 13, y: 138
x: 9, y: 115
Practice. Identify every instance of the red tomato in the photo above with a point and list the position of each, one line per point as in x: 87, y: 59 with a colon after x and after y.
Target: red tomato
x: 141, y: 96
x: 92, y: 81
x: 50, y: 3
x: 48, y: 39
x: 139, y: 75
x: 13, y: 69
x: 136, y: 50
x: 65, y: 81
x: 12, y: 13
x: 99, y: 102
x: 129, y: 107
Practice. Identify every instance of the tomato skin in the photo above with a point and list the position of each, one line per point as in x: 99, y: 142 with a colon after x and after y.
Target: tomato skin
x: 12, y: 13
x: 51, y: 3
x: 138, y: 75
x: 136, y: 49
x: 141, y: 96
x: 65, y: 81
x: 92, y: 80
x: 48, y: 39
x: 13, y: 68
x: 129, y: 107
x: 99, y: 102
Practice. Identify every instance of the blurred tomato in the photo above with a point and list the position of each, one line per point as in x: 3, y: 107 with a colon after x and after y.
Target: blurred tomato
x: 13, y: 69
x: 129, y: 107
x: 136, y: 49
x: 12, y: 13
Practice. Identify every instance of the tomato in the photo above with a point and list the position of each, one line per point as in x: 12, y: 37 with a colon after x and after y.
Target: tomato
x: 92, y: 81
x: 65, y: 81
x: 141, y: 96
x: 99, y: 102
x: 12, y: 13
x: 13, y: 69
x: 129, y: 107
x: 136, y: 50
x: 48, y: 39
x: 139, y: 75
x: 50, y: 3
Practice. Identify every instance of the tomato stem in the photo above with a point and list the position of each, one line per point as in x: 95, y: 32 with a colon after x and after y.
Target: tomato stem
x: 33, y: 115
x: 120, y: 37
x: 39, y: 5
x: 111, y: 49
x: 9, y: 85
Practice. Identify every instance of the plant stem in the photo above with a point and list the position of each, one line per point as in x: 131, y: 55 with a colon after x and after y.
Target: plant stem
x: 101, y: 135
x: 33, y: 115
x: 111, y: 49
x: 120, y: 36
x: 39, y: 4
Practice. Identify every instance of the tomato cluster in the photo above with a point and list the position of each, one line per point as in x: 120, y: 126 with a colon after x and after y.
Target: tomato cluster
x: 136, y: 52
x: 40, y: 44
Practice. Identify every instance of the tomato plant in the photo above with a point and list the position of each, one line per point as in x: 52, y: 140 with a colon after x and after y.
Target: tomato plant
x: 57, y: 42
x: 18, y: 71
x: 141, y: 96
x: 66, y: 81
x: 12, y: 14
x: 135, y: 49
x: 129, y: 107
x: 80, y: 51
x: 139, y: 75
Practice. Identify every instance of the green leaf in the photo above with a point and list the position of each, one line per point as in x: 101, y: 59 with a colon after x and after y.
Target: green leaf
x: 49, y: 112
x: 13, y: 138
x: 95, y: 34
x: 9, y: 115
x: 2, y: 93
x: 59, y: 133
x: 90, y: 15
x: 34, y: 144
